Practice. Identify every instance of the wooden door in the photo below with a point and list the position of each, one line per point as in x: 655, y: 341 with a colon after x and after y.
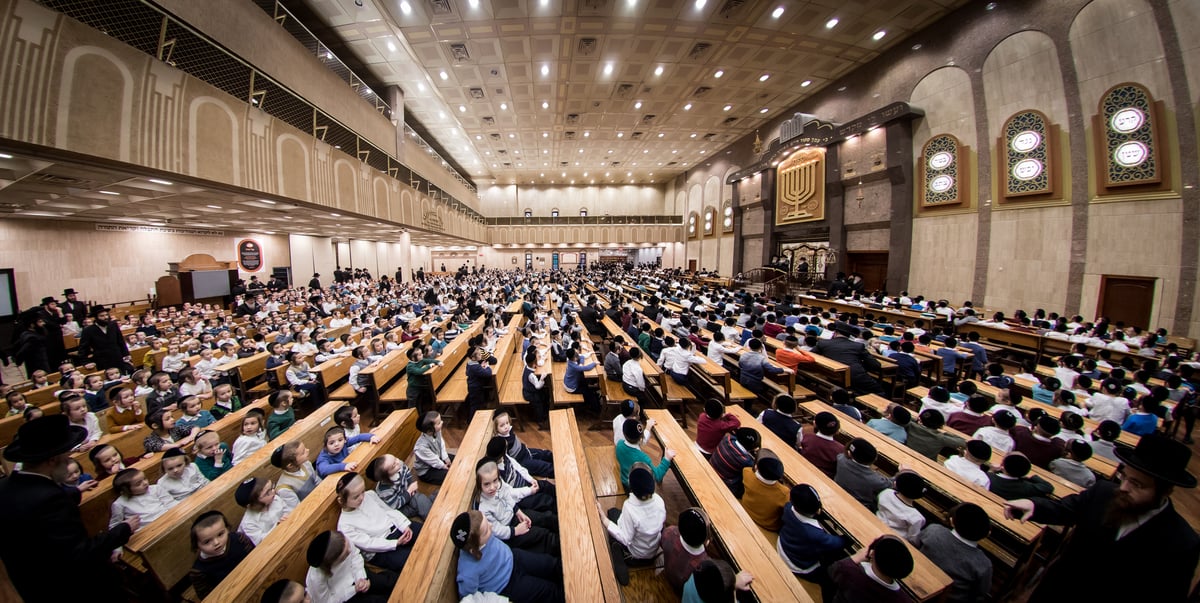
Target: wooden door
x: 692, y: 266
x: 872, y: 265
x: 1127, y: 299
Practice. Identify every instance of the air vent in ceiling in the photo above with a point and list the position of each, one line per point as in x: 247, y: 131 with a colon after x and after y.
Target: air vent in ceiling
x: 562, y: 164
x: 501, y: 152
x: 569, y: 135
x: 616, y: 164
x: 623, y: 91
x: 669, y: 164
x: 636, y: 136
x: 729, y: 121
x: 477, y: 93
x: 494, y: 136
x: 53, y: 179
x: 730, y: 8
x: 711, y: 136
x: 441, y: 7
x: 701, y: 91
x: 699, y: 50
x: 572, y: 119
x: 458, y: 50
x: 489, y: 120
x: 649, y: 117
x: 587, y: 47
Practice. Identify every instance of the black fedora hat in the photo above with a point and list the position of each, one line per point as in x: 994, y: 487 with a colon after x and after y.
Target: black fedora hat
x: 69, y: 291
x: 43, y: 438
x: 46, y: 301
x: 96, y: 311
x: 1161, y: 457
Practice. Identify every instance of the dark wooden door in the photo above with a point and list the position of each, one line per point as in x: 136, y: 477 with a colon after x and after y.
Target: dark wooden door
x: 692, y: 266
x: 1127, y: 299
x: 872, y: 265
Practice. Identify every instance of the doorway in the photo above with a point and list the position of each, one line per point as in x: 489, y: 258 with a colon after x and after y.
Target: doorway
x: 872, y: 265
x: 692, y: 266
x: 1127, y: 299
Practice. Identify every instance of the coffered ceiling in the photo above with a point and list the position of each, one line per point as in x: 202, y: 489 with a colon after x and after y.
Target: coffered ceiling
x: 555, y: 91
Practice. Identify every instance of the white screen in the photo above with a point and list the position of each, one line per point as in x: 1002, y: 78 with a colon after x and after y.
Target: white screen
x: 210, y: 283
x: 6, y: 308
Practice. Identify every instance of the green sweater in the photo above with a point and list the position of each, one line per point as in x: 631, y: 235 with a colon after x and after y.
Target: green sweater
x: 628, y: 455
x: 279, y: 423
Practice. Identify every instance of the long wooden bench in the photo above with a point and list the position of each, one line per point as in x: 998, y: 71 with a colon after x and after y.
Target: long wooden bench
x: 926, y: 582
x: 430, y: 574
x: 282, y: 553
x: 95, y: 504
x: 244, y: 371
x: 333, y: 372
x: 164, y: 546
x: 587, y: 566
x: 748, y: 549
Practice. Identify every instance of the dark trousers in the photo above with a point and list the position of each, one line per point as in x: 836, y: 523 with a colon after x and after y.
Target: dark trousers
x: 536, y: 540
x: 539, y: 462
x: 535, y: 578
x: 382, y: 584
x: 614, y: 515
x: 420, y: 399
x: 680, y: 378
x: 395, y: 559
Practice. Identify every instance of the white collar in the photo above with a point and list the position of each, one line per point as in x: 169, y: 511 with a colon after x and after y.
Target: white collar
x: 821, y: 435
x: 1128, y: 527
x: 807, y: 520
x: 866, y: 565
x: 969, y: 543
x: 695, y: 551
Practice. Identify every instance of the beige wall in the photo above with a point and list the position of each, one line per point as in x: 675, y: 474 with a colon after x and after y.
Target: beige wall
x: 617, y: 200
x: 50, y: 255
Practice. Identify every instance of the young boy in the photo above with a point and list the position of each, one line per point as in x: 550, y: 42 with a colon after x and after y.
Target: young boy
x: 635, y: 530
x: 1040, y: 444
x: 926, y: 435
x: 125, y: 412
x: 764, y: 496
x: 820, y: 447
x: 855, y: 475
x: 873, y: 574
x: 1104, y: 439
x: 1071, y: 467
x: 298, y: 477
x: 955, y: 550
x: 631, y: 410
x: 431, y: 460
x: 971, y: 463
x: 894, y: 424
x: 396, y: 486
x: 283, y: 416
x: 996, y: 376
x: 780, y: 420
x: 1013, y: 481
x: 736, y: 451
x: 163, y: 435
x: 225, y: 401
x: 806, y: 547
x: 630, y: 452
x: 180, y: 477
x: 537, y: 461
x: 683, y: 547
x: 972, y: 418
x: 332, y: 459
x: 264, y: 508
x: 212, y: 455
x: 897, y: 507
x: 997, y: 434
x: 523, y: 529
x: 75, y: 408
x: 712, y: 426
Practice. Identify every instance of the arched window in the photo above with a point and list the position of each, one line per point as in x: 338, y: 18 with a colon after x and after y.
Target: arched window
x: 1028, y: 155
x: 528, y: 213
x: 943, y: 175
x: 1131, y: 154
x: 583, y: 212
x: 554, y: 213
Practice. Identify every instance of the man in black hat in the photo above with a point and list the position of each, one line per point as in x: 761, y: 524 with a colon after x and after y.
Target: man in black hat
x: 852, y: 354
x: 53, y: 319
x: 41, y: 532
x: 74, y: 308
x: 1129, y: 541
x: 31, y: 348
x: 315, y: 283
x: 103, y: 343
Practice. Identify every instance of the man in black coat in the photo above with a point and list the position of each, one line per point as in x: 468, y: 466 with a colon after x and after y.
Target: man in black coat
x: 74, y: 308
x: 854, y: 355
x: 315, y: 283
x: 103, y: 343
x: 45, y: 547
x: 1129, y: 542
x: 53, y: 318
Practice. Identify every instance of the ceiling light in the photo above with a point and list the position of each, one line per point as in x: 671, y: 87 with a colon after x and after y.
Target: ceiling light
x: 620, y: 134
x: 443, y: 75
x: 214, y: 206
x: 581, y: 150
x: 778, y: 12
x: 727, y: 107
x: 545, y: 151
x: 462, y: 108
x: 700, y: 4
x: 764, y: 77
x: 545, y: 105
x: 832, y: 23
x: 391, y: 46
x: 441, y: 115
x: 511, y: 135
x: 587, y: 134
x: 658, y: 70
x: 628, y: 173
x: 545, y: 3
x: 764, y: 110
x: 474, y: 3
x: 879, y: 35
x: 916, y: 46
x: 805, y: 83
x: 693, y: 135
x: 162, y: 182
x: 545, y: 70
x: 606, y: 174
x: 719, y: 73
x: 660, y: 134
x: 687, y: 107
x: 608, y: 68
x: 267, y: 201
x: 5, y: 156
x: 564, y: 174
x: 336, y: 215
x: 405, y: 7
x: 421, y: 87
x: 109, y: 193
x: 990, y: 6
x: 504, y: 106
x: 478, y: 137
x: 545, y: 134
x: 637, y: 105
x: 572, y: 182
x: 702, y: 152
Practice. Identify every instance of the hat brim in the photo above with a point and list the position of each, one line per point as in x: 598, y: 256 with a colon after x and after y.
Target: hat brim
x: 1180, y: 478
x: 17, y: 454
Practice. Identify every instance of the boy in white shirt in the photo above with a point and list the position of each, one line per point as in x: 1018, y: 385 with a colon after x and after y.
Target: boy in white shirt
x: 527, y: 530
x: 896, y: 508
x: 180, y: 477
x: 997, y: 434
x: 264, y: 510
x: 636, y: 529
x: 969, y: 465
x: 75, y: 407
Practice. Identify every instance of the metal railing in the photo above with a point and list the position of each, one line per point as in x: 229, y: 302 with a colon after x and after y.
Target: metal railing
x: 149, y: 29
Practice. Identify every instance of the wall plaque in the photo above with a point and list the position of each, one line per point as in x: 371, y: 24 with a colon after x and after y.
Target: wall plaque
x: 249, y: 255
x: 1028, y: 147
x: 943, y: 172
x: 1131, y: 155
x: 800, y: 187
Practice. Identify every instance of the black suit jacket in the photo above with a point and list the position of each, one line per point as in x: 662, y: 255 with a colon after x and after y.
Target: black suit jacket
x: 104, y: 346
x: 47, y: 551
x: 848, y: 352
x: 76, y: 310
x: 1155, y: 562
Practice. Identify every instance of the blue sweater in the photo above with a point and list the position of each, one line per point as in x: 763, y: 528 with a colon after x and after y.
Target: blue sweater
x: 1140, y: 425
x: 573, y: 379
x: 754, y: 368
x: 488, y: 574
x: 332, y: 463
x: 805, y: 545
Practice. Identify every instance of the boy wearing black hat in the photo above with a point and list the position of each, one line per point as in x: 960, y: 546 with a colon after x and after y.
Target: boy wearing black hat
x: 780, y: 420
x: 893, y: 425
x: 736, y: 451
x: 1104, y: 439
x: 635, y: 530
x: 1040, y: 444
x: 820, y: 447
x: 855, y: 475
x: 897, y: 506
x: 1013, y: 481
x: 803, y: 542
x: 764, y: 496
x: 873, y: 573
x: 1071, y: 467
x: 927, y: 437
x: 1132, y: 519
x: 955, y: 550
x: 683, y: 547
x: 971, y: 464
x: 629, y: 452
x: 972, y: 418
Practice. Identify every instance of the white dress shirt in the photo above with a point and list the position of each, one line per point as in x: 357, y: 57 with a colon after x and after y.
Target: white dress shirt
x: 640, y: 526
x: 500, y: 509
x: 147, y: 507
x: 257, y: 524
x: 189, y: 482
x: 632, y: 374
x: 893, y: 512
x: 368, y: 526
x: 968, y: 470
x: 338, y: 585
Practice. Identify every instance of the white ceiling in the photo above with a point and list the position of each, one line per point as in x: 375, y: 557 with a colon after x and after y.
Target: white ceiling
x: 34, y: 189
x: 539, y: 70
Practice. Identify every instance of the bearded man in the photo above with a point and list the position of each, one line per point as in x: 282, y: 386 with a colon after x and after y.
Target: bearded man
x: 1121, y: 529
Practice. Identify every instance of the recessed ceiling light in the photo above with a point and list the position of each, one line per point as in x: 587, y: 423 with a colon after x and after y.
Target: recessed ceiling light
x: 778, y: 12
x: 545, y: 151
x: 581, y: 150
x: 608, y: 68
x: 545, y: 105
x: 805, y: 83
x: 441, y: 115
x: 702, y: 152
x: 5, y: 156
x: 764, y: 77
x: 879, y: 35
x: 719, y: 73
x: 109, y: 193
x: 727, y: 107
x: 462, y: 108
x: 391, y: 46
x: 660, y: 134
x: 674, y: 151
x: 700, y: 4
x: 336, y: 215
x: 644, y: 151
x: 445, y: 76
x: 545, y: 70
x: 587, y: 134
x: 658, y: 70
x: 504, y: 106
x: 162, y: 182
x: 214, y: 206
x: 832, y: 23
x: 620, y: 134
x: 687, y: 107
x: 545, y: 134
x: 990, y: 6
x: 564, y: 174
x: 474, y: 3
x: 693, y: 135
x: 405, y: 7
x: 545, y: 3
x: 842, y: 89
x: 916, y: 46
x: 764, y: 110
x: 267, y: 201
x: 511, y: 135
x: 478, y: 137
x: 421, y: 87
x: 610, y: 151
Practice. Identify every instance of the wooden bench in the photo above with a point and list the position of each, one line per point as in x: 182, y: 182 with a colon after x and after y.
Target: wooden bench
x: 748, y: 549
x: 332, y: 372
x: 858, y: 523
x: 282, y: 553
x: 606, y: 472
x: 587, y: 565
x: 163, y: 547
x: 561, y: 395
x: 430, y: 574
x: 244, y: 371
